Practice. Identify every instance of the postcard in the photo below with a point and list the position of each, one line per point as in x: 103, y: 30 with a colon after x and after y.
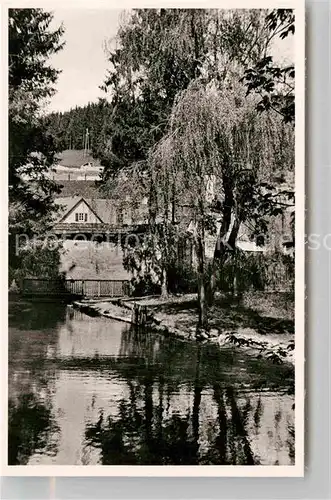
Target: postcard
x: 155, y: 192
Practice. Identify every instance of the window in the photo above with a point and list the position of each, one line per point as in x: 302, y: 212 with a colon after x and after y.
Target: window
x: 119, y: 217
x: 80, y: 217
x: 126, y: 216
x: 260, y: 240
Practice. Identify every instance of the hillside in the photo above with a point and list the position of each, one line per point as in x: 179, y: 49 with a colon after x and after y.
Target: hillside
x: 69, y: 128
x: 75, y: 158
x: 89, y: 260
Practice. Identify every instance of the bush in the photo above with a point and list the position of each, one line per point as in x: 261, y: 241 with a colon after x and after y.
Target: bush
x: 182, y: 278
x: 36, y: 262
x: 257, y: 272
x: 142, y: 286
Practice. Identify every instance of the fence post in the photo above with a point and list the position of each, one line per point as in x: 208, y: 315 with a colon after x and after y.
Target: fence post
x: 99, y: 288
x: 139, y: 314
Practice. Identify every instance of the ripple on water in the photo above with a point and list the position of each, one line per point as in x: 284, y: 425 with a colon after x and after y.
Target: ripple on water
x: 93, y: 391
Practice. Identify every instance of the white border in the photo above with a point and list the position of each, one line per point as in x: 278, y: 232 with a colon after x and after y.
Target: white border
x: 296, y: 470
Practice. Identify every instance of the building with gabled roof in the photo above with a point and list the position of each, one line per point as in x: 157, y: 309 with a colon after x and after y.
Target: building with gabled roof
x: 78, y: 215
x: 79, y: 210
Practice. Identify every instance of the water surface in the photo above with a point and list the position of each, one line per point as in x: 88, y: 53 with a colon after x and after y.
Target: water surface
x: 87, y: 391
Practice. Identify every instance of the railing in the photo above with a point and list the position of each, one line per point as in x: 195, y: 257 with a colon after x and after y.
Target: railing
x: 98, y: 288
x: 82, y: 288
x: 101, y: 228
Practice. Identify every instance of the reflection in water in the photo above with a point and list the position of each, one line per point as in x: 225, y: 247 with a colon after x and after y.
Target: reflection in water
x: 94, y: 391
x: 31, y: 429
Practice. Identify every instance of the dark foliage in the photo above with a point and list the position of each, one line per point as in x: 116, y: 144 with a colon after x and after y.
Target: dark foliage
x: 273, y: 83
x: 69, y: 128
x: 182, y: 278
x: 30, y: 426
x: 31, y: 147
x: 31, y: 79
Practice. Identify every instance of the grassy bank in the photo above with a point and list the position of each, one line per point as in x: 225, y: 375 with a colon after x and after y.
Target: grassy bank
x: 261, y: 324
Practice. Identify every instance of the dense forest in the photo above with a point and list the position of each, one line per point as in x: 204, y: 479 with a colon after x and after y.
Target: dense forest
x: 69, y: 128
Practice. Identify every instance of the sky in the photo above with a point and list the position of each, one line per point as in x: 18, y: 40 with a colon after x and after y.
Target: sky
x: 83, y: 60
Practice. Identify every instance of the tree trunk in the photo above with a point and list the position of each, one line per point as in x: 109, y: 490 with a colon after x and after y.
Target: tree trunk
x: 173, y: 204
x: 223, y: 249
x: 221, y: 245
x: 164, y: 284
x: 152, y: 200
x: 235, y: 285
x: 203, y: 317
x: 232, y: 243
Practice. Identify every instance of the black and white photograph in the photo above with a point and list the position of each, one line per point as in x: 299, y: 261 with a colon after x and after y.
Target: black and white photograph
x: 154, y: 291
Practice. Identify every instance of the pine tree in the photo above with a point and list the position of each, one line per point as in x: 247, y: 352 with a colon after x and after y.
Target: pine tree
x: 31, y: 147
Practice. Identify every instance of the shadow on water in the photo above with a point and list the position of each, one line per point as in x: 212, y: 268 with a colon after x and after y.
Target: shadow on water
x: 144, y: 433
x: 31, y: 428
x: 142, y: 436
x: 36, y: 315
x: 87, y: 390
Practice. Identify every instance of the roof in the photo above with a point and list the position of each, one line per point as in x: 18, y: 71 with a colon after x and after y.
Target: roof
x: 104, y: 209
x: 67, y: 204
x: 82, y: 188
x: 76, y: 158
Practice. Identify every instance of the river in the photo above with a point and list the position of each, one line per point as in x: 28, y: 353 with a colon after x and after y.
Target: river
x: 88, y: 391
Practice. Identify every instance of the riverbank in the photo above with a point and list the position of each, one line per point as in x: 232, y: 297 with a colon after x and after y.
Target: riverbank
x: 109, y: 308
x: 262, y: 324
x: 71, y: 375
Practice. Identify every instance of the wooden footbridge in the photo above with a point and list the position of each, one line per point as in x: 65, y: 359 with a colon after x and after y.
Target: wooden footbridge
x: 90, y: 288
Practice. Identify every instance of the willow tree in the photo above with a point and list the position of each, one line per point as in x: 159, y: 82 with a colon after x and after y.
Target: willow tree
x: 157, y: 54
x: 216, y: 135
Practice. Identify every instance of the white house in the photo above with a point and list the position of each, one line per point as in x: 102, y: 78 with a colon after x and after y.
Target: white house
x: 79, y: 210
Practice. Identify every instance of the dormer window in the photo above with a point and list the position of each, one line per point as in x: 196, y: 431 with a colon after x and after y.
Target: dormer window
x: 81, y: 217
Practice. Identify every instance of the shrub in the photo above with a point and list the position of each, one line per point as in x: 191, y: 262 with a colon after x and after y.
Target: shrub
x: 257, y: 272
x: 182, y: 278
x: 36, y: 262
x: 144, y: 285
